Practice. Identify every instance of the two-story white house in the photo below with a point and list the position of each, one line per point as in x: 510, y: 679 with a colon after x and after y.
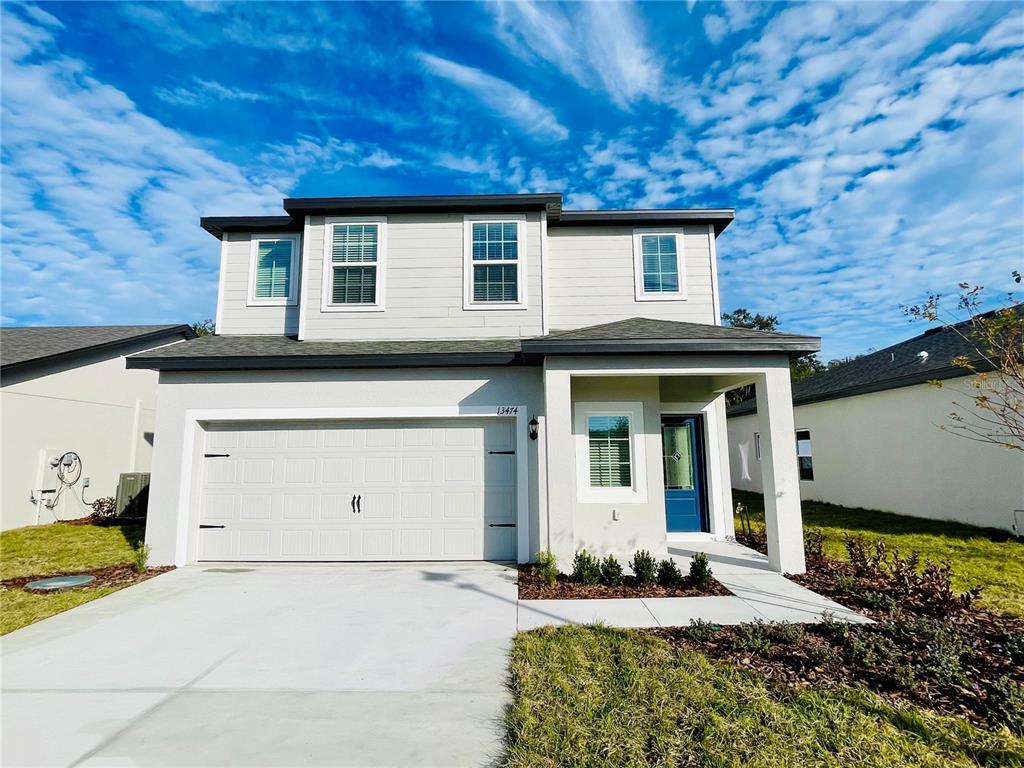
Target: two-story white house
x: 459, y: 378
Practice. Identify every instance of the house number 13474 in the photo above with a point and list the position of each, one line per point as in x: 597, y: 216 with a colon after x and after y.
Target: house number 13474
x: 508, y: 410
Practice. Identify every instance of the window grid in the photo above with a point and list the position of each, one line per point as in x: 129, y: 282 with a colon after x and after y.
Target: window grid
x: 660, y: 263
x: 495, y: 242
x: 609, y: 444
x: 354, y: 263
x: 273, y: 269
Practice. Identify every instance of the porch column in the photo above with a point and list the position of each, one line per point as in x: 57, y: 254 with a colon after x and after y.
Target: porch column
x: 781, y: 481
x: 560, y: 473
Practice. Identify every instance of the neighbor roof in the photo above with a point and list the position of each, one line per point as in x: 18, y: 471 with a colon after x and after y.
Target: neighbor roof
x: 900, y: 365
x: 300, y: 207
x: 635, y: 336
x: 22, y: 348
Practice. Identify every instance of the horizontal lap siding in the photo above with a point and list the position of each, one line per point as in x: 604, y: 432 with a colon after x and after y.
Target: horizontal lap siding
x: 239, y: 319
x: 423, y: 288
x: 591, y: 278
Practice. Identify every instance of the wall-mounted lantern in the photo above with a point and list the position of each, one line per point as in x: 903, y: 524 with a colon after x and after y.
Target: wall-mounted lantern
x: 533, y: 425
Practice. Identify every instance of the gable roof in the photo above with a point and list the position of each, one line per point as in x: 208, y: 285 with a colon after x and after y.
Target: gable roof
x: 901, y: 365
x: 298, y: 208
x: 22, y: 348
x: 635, y: 336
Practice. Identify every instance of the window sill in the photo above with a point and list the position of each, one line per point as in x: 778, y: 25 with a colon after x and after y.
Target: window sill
x: 494, y: 307
x: 250, y: 302
x: 351, y: 308
x: 610, y: 496
x: 661, y: 297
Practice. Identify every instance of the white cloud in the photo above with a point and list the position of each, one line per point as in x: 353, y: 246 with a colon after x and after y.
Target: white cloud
x: 716, y: 28
x: 600, y: 45
x: 204, y: 92
x: 500, y: 96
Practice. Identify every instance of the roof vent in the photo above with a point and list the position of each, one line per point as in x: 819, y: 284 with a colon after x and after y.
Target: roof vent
x: 922, y: 356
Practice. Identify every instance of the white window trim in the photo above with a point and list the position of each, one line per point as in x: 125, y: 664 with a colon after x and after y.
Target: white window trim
x: 327, y: 275
x: 638, y: 267
x: 467, y: 262
x: 637, y: 493
x: 293, y: 272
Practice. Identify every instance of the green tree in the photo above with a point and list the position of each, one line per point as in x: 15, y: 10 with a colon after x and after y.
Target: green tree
x: 203, y: 327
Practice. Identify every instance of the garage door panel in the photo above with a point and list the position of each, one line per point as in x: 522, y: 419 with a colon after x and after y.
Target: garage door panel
x: 427, y: 490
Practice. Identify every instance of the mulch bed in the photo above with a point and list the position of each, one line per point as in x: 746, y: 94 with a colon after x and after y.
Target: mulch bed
x: 111, y: 576
x: 929, y: 645
x: 533, y: 587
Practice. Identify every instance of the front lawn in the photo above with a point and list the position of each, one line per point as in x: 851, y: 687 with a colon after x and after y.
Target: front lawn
x: 58, y: 548
x: 980, y: 557
x: 592, y: 696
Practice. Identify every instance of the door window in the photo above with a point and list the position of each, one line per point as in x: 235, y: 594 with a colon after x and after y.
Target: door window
x: 677, y: 440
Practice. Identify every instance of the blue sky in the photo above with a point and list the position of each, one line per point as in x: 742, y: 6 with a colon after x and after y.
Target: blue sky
x: 873, y: 151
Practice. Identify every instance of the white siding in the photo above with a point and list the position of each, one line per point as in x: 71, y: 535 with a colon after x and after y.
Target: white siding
x: 236, y: 316
x: 591, y: 278
x: 423, y: 286
x: 884, y: 451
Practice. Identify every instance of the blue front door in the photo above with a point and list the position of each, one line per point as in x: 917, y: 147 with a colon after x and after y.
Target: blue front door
x: 682, y: 441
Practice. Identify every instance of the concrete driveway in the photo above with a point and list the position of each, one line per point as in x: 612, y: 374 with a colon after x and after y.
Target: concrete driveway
x: 350, y: 665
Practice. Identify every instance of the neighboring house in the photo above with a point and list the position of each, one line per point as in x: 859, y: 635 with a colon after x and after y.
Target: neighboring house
x: 867, y: 434
x: 459, y: 378
x: 66, y: 389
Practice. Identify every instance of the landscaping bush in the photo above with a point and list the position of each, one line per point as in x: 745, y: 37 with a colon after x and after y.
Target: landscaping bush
x: 1005, y: 704
x: 669, y: 574
x: 700, y: 570
x: 103, y: 506
x: 547, y: 566
x: 644, y: 566
x: 586, y: 569
x: 140, y: 557
x: 814, y: 544
x: 611, y: 572
x: 752, y: 637
x: 701, y: 631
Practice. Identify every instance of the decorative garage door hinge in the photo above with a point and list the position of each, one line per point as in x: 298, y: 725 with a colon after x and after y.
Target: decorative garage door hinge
x: 501, y: 525
x: 216, y: 455
x: 210, y: 526
x: 504, y: 453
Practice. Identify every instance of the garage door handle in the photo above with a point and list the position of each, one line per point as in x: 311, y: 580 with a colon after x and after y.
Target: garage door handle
x: 501, y: 525
x: 359, y: 504
x: 353, y: 503
x: 211, y: 526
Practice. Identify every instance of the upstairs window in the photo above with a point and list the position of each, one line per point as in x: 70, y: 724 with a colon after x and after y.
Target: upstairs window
x: 272, y: 271
x: 658, y: 266
x: 353, y: 265
x: 494, y: 264
x: 805, y: 461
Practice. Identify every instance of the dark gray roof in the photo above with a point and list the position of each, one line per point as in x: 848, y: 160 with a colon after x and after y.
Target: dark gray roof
x: 300, y: 207
x: 21, y: 347
x: 641, y: 334
x: 900, y: 365
x: 264, y: 352
x: 634, y: 336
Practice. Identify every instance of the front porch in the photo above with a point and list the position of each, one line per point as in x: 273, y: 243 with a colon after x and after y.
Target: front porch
x: 635, y: 455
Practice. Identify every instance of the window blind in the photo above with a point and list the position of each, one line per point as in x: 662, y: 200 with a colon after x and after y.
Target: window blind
x: 354, y: 264
x: 610, y: 465
x: 495, y: 242
x: 273, y: 269
x: 661, y: 265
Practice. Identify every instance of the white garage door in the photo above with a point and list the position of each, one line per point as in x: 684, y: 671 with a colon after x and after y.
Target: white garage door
x: 382, y: 490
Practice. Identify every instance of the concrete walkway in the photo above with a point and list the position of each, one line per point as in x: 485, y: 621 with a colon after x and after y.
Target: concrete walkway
x: 757, y: 594
x: 357, y: 665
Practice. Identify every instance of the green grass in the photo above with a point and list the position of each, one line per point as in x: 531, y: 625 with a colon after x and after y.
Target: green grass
x: 58, y: 548
x: 980, y: 557
x: 590, y: 696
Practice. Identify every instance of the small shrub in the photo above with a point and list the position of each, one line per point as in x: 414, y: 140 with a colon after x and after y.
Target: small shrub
x: 700, y: 571
x: 945, y: 650
x: 611, y: 572
x: 1004, y: 704
x: 547, y: 566
x: 832, y: 627
x: 140, y: 557
x: 701, y: 631
x: 905, y: 677
x: 845, y: 583
x: 752, y: 637
x: 814, y: 544
x: 789, y: 634
x: 644, y: 566
x: 103, y: 506
x: 871, y: 649
x: 820, y: 654
x: 668, y: 574
x: 877, y: 600
x: 1014, y: 647
x: 586, y: 569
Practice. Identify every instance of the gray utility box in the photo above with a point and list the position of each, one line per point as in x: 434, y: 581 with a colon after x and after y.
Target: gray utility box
x: 132, y: 494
